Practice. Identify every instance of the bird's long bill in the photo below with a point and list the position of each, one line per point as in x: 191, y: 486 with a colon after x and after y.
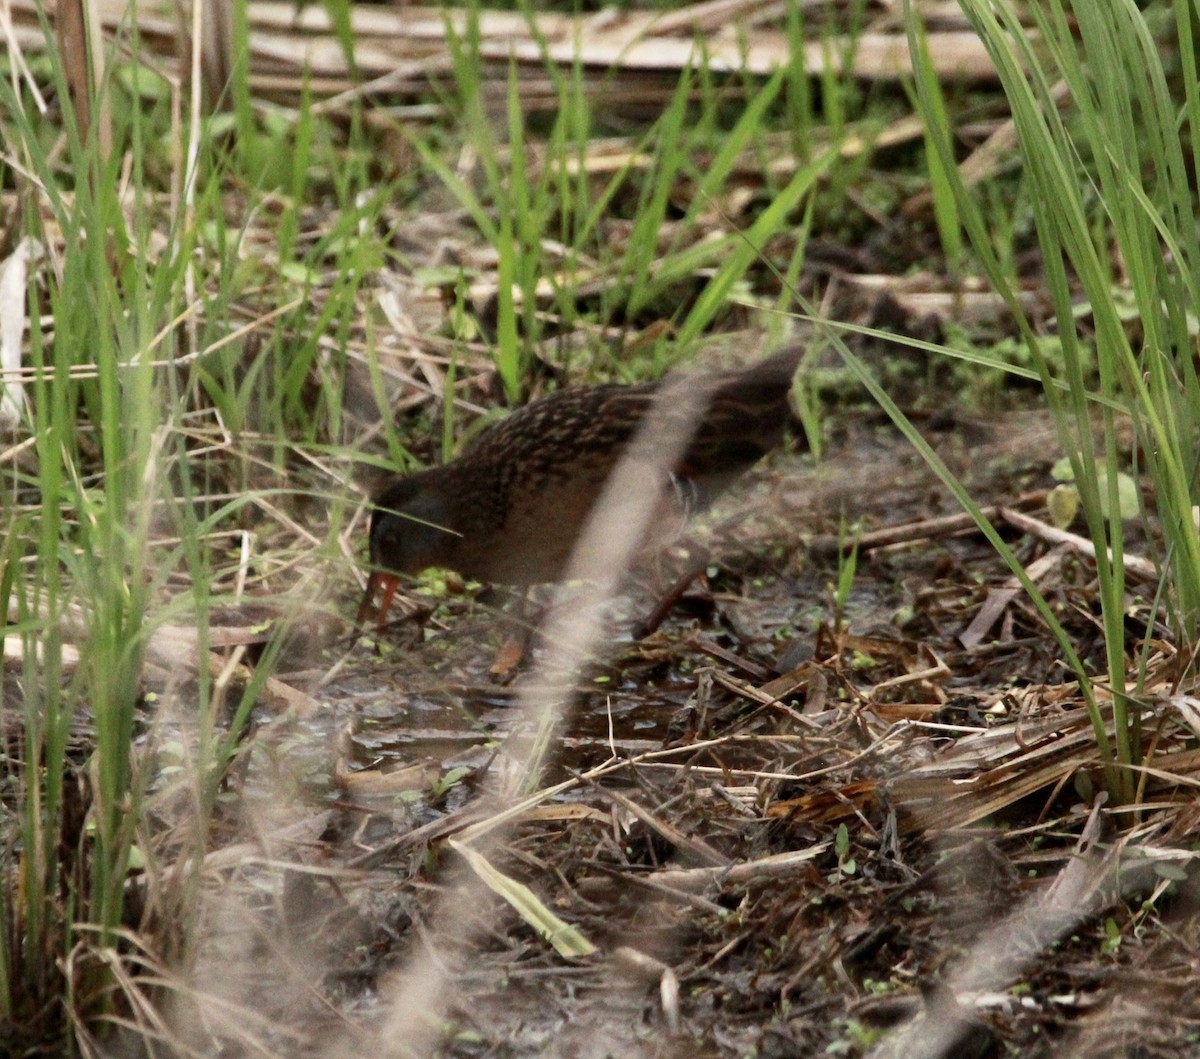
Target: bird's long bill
x: 389, y: 583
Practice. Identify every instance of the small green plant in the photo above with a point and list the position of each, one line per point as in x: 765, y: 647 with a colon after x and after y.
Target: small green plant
x: 1064, y: 499
x: 846, y: 864
x: 847, y: 568
x: 1112, y: 936
x: 440, y: 786
x: 854, y: 1038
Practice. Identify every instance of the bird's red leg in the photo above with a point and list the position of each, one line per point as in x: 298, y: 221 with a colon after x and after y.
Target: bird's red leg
x: 514, y: 649
x: 673, y: 595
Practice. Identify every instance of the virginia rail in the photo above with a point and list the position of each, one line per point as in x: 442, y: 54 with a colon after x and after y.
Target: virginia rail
x: 510, y: 508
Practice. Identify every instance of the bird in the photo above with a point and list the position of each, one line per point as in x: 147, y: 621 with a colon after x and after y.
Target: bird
x: 511, y: 507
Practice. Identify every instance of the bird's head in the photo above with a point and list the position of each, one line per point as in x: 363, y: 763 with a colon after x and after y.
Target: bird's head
x: 410, y: 529
x: 409, y: 533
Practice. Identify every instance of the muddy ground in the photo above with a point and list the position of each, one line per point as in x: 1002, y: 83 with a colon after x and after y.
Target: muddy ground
x: 787, y: 825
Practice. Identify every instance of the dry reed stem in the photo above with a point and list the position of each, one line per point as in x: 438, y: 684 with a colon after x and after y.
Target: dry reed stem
x: 421, y: 992
x: 289, y: 48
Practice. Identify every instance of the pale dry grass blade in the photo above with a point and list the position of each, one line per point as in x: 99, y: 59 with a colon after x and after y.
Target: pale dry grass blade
x: 12, y: 326
x: 420, y: 993
x: 22, y: 76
